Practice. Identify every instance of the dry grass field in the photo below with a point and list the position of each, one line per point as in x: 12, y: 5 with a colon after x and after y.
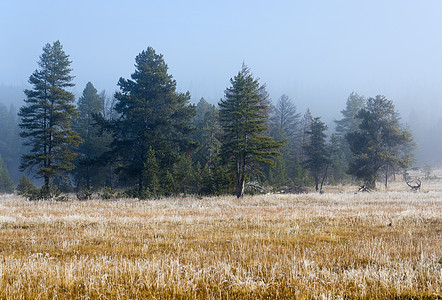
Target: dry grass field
x: 338, y: 245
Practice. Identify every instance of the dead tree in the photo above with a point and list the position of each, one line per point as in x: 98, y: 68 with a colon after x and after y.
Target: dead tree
x: 364, y: 188
x: 255, y: 187
x: 416, y: 187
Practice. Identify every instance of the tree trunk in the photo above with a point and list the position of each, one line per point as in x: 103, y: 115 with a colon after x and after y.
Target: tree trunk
x: 46, y: 185
x: 240, y: 187
x: 140, y: 185
x: 323, y: 178
x: 88, y: 178
x: 371, y: 183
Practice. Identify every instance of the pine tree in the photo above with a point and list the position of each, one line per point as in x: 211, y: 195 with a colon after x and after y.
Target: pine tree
x: 47, y: 116
x: 349, y: 121
x: 206, y: 134
x: 6, y: 184
x: 317, y: 152
x: 25, y: 187
x: 243, y: 117
x: 338, y: 163
x: 380, y: 144
x: 88, y: 172
x: 150, y: 174
x: 184, y: 175
x: 284, y: 125
x: 347, y: 124
x: 151, y: 114
x: 303, y: 137
x: 10, y: 140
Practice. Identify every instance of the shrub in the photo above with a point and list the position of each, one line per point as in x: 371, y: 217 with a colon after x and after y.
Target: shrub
x: 107, y: 194
x: 43, y: 194
x: 84, y: 195
x: 25, y: 187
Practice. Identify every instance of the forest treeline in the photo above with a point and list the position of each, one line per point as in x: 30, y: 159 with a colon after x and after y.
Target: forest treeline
x: 147, y: 140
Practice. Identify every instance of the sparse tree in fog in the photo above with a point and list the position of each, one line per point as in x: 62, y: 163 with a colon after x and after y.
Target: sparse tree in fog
x: 303, y: 137
x: 285, y: 119
x: 243, y: 116
x: 350, y: 122
x: 299, y: 174
x: 206, y: 134
x: 380, y: 144
x: 284, y: 126
x: 347, y: 124
x: 6, y: 184
x: 10, y: 140
x: 47, y: 116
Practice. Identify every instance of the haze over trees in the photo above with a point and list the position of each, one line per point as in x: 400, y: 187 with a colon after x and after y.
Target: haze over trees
x: 148, y: 140
x: 10, y: 144
x: 6, y: 184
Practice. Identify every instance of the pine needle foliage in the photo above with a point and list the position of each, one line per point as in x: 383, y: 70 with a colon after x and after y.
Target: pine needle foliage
x: 243, y: 119
x: 152, y: 115
x: 47, y: 115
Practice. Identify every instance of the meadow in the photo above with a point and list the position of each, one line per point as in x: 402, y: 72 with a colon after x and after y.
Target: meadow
x: 336, y: 245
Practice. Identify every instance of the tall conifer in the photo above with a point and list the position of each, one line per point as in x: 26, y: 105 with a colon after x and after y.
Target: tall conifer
x: 243, y: 116
x: 152, y: 115
x: 88, y: 173
x: 47, y: 115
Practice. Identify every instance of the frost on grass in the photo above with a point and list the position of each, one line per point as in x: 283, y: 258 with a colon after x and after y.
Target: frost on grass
x: 377, y: 245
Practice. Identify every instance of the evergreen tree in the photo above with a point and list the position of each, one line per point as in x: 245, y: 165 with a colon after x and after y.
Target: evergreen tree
x: 151, y: 174
x: 10, y: 140
x: 297, y: 171
x: 284, y: 126
x: 25, y: 187
x: 347, y: 124
x: 317, y: 151
x: 285, y: 119
x: 243, y: 119
x: 88, y: 172
x: 6, y: 184
x: 206, y: 134
x: 350, y: 122
x: 338, y: 162
x: 151, y: 114
x: 380, y: 143
x: 303, y: 137
x: 184, y: 175
x: 47, y: 116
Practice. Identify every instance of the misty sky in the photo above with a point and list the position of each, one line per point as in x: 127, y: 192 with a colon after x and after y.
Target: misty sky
x: 316, y: 52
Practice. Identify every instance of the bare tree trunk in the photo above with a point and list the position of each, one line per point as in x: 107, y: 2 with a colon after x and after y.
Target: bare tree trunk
x: 88, y: 178
x: 323, y: 178
x: 46, y: 184
x: 140, y: 185
x: 240, y: 187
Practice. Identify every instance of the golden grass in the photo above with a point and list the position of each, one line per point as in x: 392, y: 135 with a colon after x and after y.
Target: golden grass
x: 338, y: 245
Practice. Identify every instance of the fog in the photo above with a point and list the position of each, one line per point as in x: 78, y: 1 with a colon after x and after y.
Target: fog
x: 316, y: 52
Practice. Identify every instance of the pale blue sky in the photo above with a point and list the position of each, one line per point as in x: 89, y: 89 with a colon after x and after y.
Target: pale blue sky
x: 316, y: 52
